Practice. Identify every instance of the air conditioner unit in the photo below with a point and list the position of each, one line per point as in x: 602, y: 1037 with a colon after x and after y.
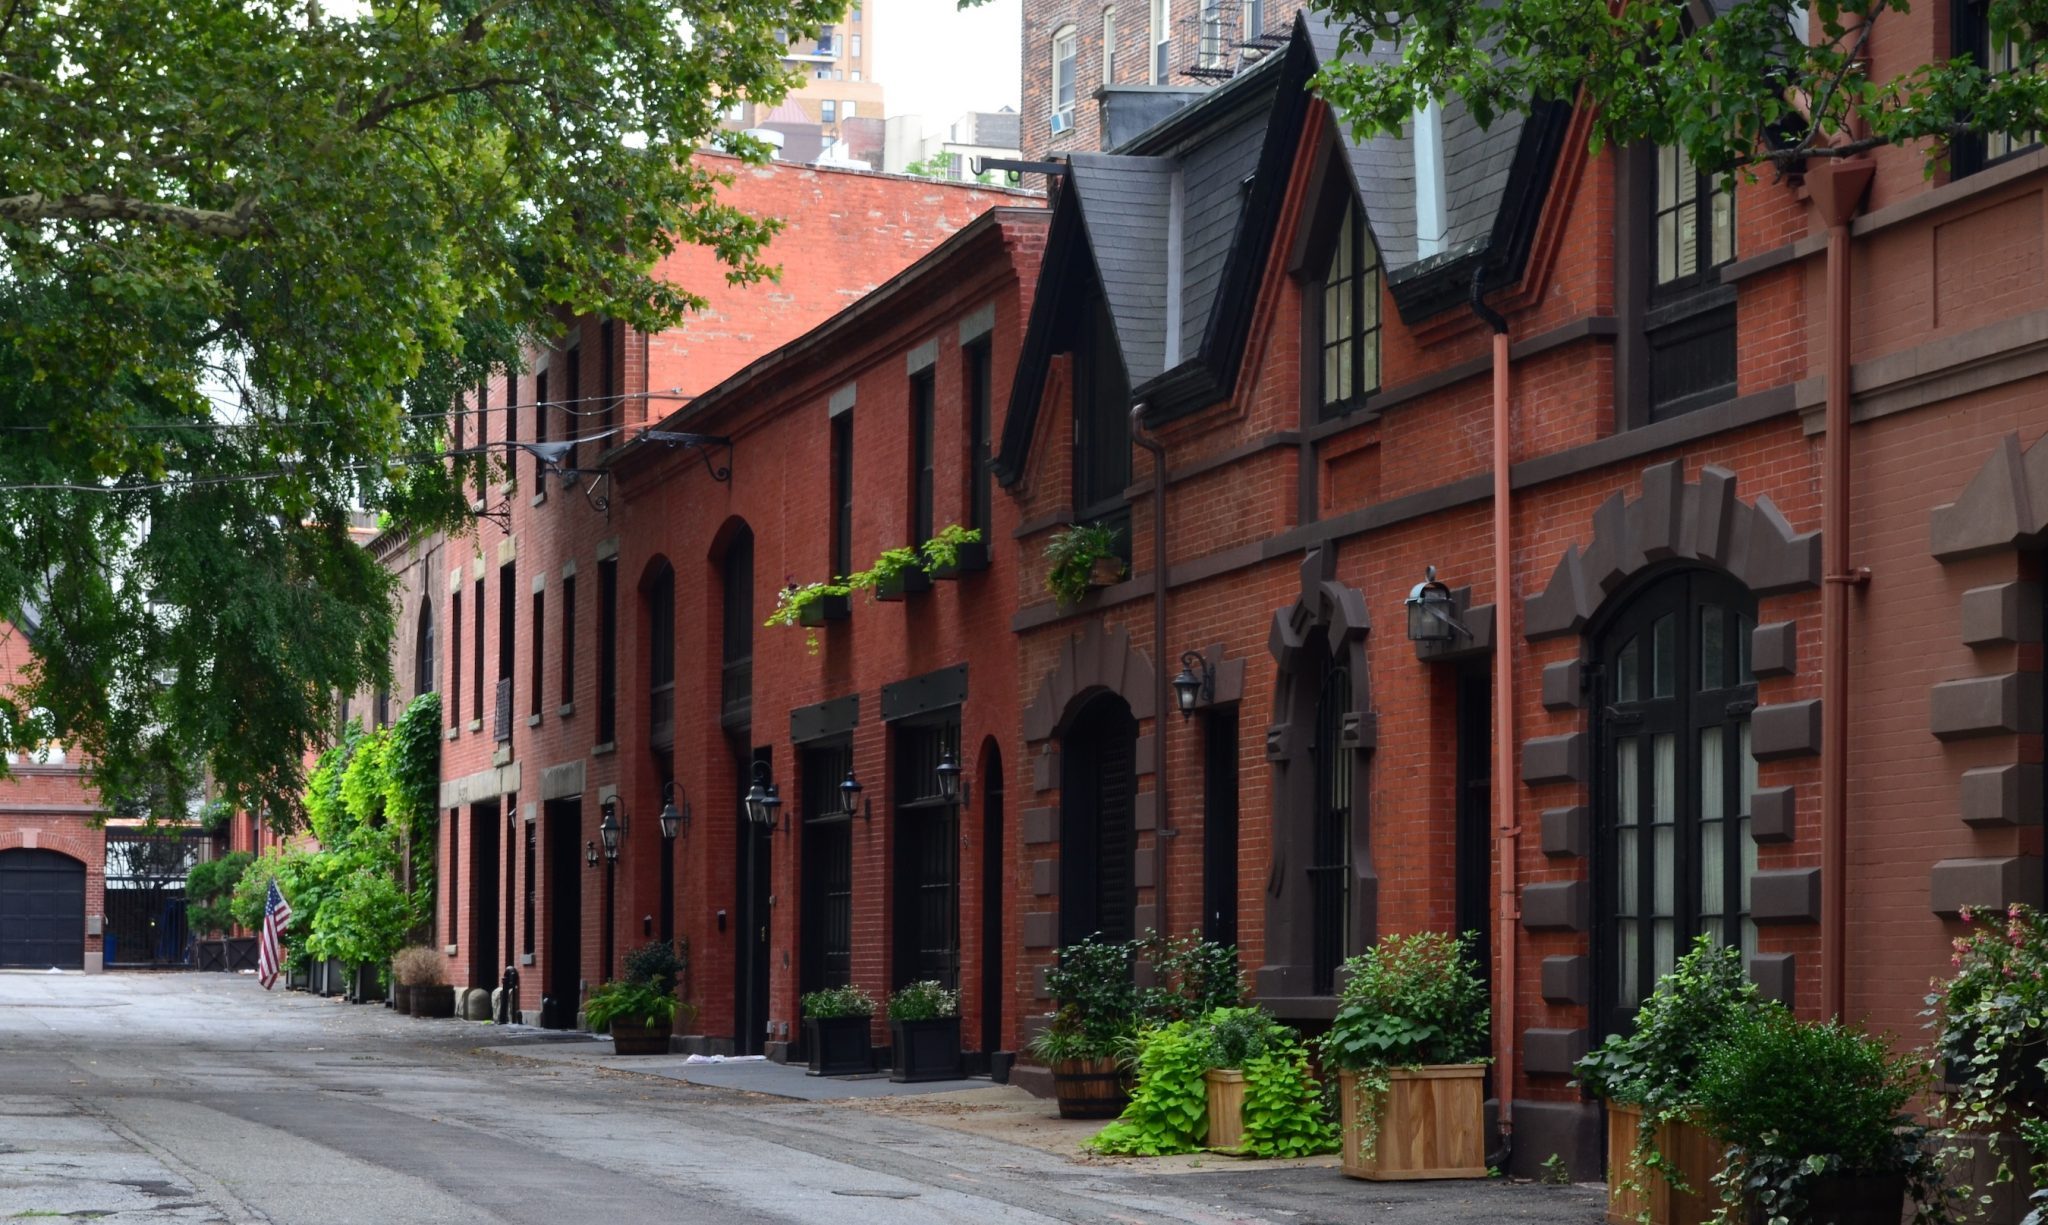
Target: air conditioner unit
x: 1062, y: 121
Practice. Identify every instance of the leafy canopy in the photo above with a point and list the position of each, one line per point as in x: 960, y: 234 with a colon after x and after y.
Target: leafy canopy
x: 1766, y: 81
x: 249, y: 251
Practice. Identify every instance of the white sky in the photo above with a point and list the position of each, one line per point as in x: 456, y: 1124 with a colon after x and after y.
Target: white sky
x: 937, y: 62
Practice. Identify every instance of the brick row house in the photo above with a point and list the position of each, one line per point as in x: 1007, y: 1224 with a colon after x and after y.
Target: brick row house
x: 1299, y: 344
x: 53, y: 850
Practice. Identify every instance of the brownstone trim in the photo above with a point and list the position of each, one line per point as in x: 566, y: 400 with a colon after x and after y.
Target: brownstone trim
x: 1568, y: 980
x: 2002, y: 705
x: 1773, y: 813
x: 1785, y: 895
x: 1785, y: 729
x: 1552, y: 1052
x: 1774, y: 975
x: 1774, y: 649
x: 1990, y: 884
x: 1557, y: 906
x: 1096, y: 659
x: 2002, y: 796
x: 2003, y: 614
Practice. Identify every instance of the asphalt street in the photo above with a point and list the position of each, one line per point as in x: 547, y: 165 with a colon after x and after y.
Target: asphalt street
x: 202, y: 1098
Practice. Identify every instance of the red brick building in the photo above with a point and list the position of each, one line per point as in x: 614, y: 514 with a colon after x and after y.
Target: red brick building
x: 53, y: 851
x: 524, y: 627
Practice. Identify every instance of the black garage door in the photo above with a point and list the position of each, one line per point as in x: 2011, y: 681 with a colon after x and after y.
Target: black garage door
x: 42, y: 910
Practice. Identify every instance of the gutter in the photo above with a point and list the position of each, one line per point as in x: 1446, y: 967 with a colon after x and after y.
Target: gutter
x: 1506, y: 830
x: 1162, y: 700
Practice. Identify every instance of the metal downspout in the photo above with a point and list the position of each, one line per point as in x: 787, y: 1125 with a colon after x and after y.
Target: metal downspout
x: 1506, y: 829
x: 1162, y: 700
x: 1837, y: 188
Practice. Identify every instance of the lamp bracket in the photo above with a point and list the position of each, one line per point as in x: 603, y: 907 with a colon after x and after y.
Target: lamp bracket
x: 702, y: 444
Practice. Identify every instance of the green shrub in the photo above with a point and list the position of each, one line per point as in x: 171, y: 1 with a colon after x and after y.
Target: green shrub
x: 1410, y: 1000
x: 1233, y: 1037
x: 1192, y: 977
x: 659, y: 963
x: 1992, y: 1018
x: 1286, y: 1113
x: 1169, y: 1108
x: 835, y: 1002
x: 1706, y: 997
x: 1098, y: 1006
x: 638, y: 1002
x: 209, y: 890
x: 1071, y: 554
x: 929, y: 1000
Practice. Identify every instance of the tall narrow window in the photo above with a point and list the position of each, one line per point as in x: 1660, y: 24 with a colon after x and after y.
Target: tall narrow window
x: 476, y: 657
x: 1329, y: 873
x: 508, y: 642
x: 1219, y: 825
x: 455, y: 659
x: 569, y: 640
x: 828, y: 111
x: 927, y: 853
x: 529, y: 886
x: 607, y: 651
x: 510, y: 430
x: 1102, y: 429
x: 980, y: 431
x: 1209, y: 56
x: 458, y: 428
x: 736, y: 682
x: 543, y: 423
x: 423, y: 651
x: 1109, y: 45
x: 454, y: 874
x: 1691, y: 320
x: 923, y: 431
x: 609, y: 359
x: 1162, y: 42
x: 842, y: 494
x: 534, y: 684
x: 572, y: 405
x: 1254, y: 18
x: 1349, y: 309
x: 1064, y: 43
x: 661, y: 659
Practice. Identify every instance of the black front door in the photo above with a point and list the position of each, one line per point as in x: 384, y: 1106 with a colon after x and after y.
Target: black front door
x: 564, y: 953
x: 992, y: 985
x: 927, y: 857
x: 826, y: 945
x: 42, y: 910
x: 1098, y: 832
x: 751, y: 945
x: 1219, y: 825
x: 1475, y: 810
x: 483, y: 895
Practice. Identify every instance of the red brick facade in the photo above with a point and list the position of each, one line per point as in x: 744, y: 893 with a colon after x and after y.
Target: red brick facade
x: 47, y: 804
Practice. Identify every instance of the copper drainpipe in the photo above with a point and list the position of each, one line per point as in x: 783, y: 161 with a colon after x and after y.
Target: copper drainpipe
x: 1506, y: 830
x: 1162, y: 701
x: 1837, y: 188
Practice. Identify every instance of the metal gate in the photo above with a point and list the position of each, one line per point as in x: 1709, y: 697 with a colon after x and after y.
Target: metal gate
x: 145, y: 898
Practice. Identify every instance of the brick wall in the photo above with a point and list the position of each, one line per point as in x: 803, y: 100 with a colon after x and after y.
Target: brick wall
x: 48, y: 804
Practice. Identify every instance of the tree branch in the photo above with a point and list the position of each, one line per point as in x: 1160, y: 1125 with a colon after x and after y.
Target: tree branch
x: 36, y: 206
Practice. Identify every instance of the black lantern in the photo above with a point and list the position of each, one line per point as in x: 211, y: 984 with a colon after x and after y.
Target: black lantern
x: 671, y: 820
x: 849, y: 793
x: 1430, y: 608
x: 949, y: 778
x: 608, y: 830
x: 762, y: 801
x: 1195, y: 684
x: 590, y: 852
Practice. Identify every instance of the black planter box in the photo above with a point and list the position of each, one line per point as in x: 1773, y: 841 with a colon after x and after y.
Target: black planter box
x: 924, y: 1050
x: 1851, y: 1199
x: 213, y: 955
x: 295, y: 978
x: 908, y: 581
x: 242, y: 953
x: 365, y: 985
x: 824, y: 609
x: 839, y: 1046
x: 973, y: 559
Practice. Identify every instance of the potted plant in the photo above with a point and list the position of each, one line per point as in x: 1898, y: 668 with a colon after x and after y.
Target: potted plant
x: 208, y: 889
x: 1079, y: 558
x: 811, y: 605
x: 1232, y: 1038
x: 1275, y: 1108
x: 1087, y: 1040
x: 954, y: 551
x: 1991, y: 1018
x: 1814, y: 1116
x: 837, y: 1031
x: 1410, y: 1040
x: 423, y: 972
x: 637, y: 1012
x: 1660, y: 1162
x: 895, y: 574
x: 924, y: 1032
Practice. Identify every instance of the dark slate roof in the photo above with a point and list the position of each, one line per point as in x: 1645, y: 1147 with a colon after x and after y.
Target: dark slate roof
x: 1125, y: 204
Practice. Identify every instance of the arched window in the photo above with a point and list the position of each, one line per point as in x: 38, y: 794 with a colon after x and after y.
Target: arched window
x: 1676, y: 779
x: 423, y: 657
x: 736, y: 575
x: 1329, y: 870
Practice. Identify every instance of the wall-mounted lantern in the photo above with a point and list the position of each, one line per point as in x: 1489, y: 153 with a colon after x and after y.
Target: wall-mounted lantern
x: 1195, y: 684
x: 849, y: 793
x: 1431, y: 612
x: 671, y: 819
x: 590, y: 852
x: 762, y: 800
x: 609, y: 829
x: 952, y: 781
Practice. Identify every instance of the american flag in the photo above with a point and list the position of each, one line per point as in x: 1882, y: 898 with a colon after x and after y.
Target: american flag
x: 276, y: 913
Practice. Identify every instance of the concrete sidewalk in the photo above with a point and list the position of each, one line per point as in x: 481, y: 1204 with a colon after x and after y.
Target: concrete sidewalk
x: 745, y: 1075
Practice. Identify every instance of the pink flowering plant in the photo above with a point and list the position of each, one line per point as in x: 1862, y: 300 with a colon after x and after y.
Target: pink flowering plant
x: 1991, y: 1014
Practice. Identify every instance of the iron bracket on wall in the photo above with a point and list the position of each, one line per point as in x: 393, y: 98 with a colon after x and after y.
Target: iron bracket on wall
x: 700, y: 443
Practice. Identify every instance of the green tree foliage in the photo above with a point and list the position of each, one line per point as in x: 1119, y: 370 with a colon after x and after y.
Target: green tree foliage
x: 209, y: 889
x: 1765, y: 81
x: 249, y: 249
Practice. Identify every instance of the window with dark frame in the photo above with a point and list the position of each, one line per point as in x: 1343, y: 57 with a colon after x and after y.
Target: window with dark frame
x: 923, y: 444
x: 1347, y: 302
x: 543, y: 424
x: 842, y: 494
x: 736, y: 632
x: 534, y: 683
x: 1689, y: 324
x: 661, y: 658
x: 1219, y: 825
x: 572, y: 405
x: 980, y: 379
x: 454, y: 876
x: 1971, y: 35
x: 424, y: 656
x: 508, y: 644
x: 927, y: 855
x: 607, y: 651
x: 826, y: 863
x: 529, y: 882
x: 476, y: 657
x: 1329, y: 870
x: 569, y: 640
x: 1102, y: 430
x: 455, y: 659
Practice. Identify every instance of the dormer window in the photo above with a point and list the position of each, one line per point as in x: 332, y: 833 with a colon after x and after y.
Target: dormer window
x: 1690, y: 323
x: 1347, y: 304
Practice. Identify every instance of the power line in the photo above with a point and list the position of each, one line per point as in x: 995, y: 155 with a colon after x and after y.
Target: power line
x: 278, y: 423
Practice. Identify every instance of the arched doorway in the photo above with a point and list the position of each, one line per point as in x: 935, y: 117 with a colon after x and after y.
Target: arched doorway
x: 42, y: 910
x: 1674, y: 858
x: 1098, y: 830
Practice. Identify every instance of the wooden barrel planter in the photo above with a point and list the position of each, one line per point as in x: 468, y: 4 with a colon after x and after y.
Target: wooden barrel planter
x: 1432, y: 1124
x: 633, y: 1038
x: 1695, y: 1154
x: 1226, y: 1109
x: 401, y: 998
x: 433, y: 1003
x: 1090, y: 1088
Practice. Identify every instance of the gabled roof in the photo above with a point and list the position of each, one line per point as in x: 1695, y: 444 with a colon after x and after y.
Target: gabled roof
x: 1179, y: 223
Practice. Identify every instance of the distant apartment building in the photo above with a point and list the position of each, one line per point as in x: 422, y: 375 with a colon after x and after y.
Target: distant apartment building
x: 969, y: 139
x: 1087, y: 58
x: 836, y: 81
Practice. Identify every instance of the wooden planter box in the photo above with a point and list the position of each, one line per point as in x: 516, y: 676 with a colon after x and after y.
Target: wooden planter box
x: 1432, y: 1124
x: 401, y: 999
x: 1090, y: 1088
x: 924, y: 1050
x: 1695, y: 1153
x: 839, y: 1046
x: 1226, y: 1109
x: 632, y: 1038
x: 909, y: 581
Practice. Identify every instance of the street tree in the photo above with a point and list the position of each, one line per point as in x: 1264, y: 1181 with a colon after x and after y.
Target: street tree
x: 1743, y: 87
x: 250, y: 253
